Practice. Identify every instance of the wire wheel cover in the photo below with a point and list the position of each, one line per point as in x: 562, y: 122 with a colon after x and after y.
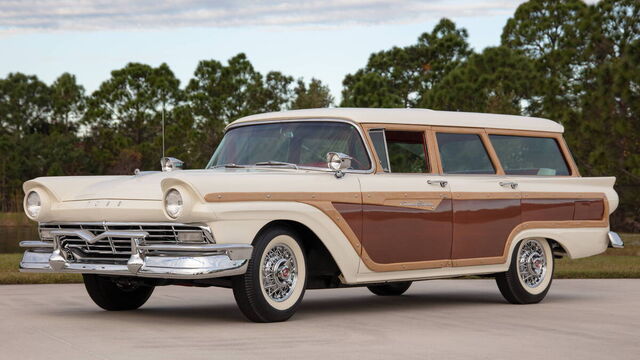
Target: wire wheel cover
x: 532, y: 263
x: 279, y: 272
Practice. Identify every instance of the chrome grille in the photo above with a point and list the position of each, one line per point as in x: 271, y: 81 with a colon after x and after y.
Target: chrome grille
x: 119, y: 248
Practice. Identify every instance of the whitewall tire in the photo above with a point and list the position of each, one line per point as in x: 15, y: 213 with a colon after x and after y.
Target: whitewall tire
x: 530, y: 272
x: 275, y: 281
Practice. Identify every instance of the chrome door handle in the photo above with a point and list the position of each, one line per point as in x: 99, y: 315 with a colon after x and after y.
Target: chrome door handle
x: 442, y: 183
x: 510, y: 184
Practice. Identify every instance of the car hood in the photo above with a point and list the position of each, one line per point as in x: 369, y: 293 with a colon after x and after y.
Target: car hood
x: 150, y: 185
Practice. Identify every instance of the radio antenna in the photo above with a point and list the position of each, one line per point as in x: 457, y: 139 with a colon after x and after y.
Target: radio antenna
x: 163, y: 129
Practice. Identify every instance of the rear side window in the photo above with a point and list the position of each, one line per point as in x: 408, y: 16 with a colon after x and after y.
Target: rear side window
x: 528, y: 155
x: 463, y: 154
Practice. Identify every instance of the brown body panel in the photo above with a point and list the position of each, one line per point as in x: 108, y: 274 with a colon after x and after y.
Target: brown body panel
x: 547, y: 209
x: 352, y: 214
x: 394, y: 234
x: 588, y: 209
x: 481, y: 227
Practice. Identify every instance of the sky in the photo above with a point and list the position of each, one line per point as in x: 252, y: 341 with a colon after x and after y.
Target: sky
x: 325, y: 39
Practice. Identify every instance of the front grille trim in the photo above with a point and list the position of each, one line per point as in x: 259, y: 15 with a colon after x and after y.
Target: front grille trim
x: 118, y: 249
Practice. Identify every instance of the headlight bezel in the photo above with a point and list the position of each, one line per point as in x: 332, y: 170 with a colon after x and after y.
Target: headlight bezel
x: 36, y: 204
x: 177, y: 200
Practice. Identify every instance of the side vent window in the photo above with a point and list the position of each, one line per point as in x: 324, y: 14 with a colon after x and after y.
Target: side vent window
x: 380, y: 145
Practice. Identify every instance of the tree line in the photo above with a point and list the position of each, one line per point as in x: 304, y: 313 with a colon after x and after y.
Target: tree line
x: 574, y: 63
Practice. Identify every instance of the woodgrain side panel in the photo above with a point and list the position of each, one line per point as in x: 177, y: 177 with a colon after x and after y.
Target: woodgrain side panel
x: 352, y: 214
x: 588, y: 209
x: 547, y: 209
x: 405, y: 234
x: 343, y: 197
x: 481, y: 227
x: 555, y: 213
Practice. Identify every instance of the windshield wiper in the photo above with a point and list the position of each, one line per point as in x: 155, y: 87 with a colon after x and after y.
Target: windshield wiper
x: 275, y: 163
x: 231, y: 165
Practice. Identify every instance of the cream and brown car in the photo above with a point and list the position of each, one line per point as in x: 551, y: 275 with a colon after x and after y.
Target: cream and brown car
x: 329, y: 198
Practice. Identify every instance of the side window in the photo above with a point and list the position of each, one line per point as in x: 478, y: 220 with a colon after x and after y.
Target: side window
x: 463, y: 154
x: 407, y: 151
x: 528, y: 155
x: 401, y: 151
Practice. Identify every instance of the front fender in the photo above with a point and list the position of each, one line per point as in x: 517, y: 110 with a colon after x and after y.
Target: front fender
x: 240, y: 222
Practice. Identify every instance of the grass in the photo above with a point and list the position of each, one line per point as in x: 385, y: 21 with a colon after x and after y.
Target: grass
x: 613, y: 264
x: 9, y: 273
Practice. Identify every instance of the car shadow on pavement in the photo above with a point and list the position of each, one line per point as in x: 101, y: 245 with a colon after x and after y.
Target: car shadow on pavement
x: 315, y: 304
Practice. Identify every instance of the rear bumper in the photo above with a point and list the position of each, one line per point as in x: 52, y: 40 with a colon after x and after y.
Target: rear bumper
x: 614, y: 240
x: 154, y: 261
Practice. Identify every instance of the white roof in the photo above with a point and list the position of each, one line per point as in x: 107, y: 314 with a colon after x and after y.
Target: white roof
x: 414, y: 117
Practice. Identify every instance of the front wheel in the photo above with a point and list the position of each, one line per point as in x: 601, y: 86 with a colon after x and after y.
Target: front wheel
x: 273, y: 286
x: 114, y: 295
x: 530, y: 273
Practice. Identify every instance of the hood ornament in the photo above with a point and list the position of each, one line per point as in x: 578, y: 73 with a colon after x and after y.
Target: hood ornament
x: 170, y: 164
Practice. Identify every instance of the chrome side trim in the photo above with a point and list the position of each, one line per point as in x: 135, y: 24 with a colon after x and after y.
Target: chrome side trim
x: 615, y: 241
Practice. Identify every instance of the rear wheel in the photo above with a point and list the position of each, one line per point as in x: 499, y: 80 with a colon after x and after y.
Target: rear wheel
x: 530, y: 273
x: 273, y: 286
x: 116, y: 294
x: 390, y: 289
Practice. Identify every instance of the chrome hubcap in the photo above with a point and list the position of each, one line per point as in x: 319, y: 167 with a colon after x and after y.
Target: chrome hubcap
x: 532, y: 265
x: 279, y: 272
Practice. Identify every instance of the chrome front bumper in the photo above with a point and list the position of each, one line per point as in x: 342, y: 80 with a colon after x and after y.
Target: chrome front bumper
x: 169, y: 261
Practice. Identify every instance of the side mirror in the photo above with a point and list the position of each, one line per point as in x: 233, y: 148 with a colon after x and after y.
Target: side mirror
x: 337, y: 162
x: 170, y: 164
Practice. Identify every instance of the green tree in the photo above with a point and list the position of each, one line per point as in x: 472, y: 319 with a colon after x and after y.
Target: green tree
x: 499, y: 80
x: 24, y: 104
x: 317, y: 95
x: 613, y: 26
x: 549, y: 32
x: 128, y: 109
x: 68, y: 100
x: 608, y: 139
x: 400, y: 76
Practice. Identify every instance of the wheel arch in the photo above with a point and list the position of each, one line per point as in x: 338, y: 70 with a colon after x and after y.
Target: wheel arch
x: 322, y: 268
x: 573, y: 243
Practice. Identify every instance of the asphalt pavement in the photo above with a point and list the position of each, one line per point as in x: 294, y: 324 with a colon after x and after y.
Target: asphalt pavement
x: 440, y: 319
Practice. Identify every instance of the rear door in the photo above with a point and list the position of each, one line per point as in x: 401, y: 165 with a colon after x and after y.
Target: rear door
x: 406, y: 206
x: 486, y: 205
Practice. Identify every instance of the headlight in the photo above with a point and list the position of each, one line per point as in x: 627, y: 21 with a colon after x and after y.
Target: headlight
x: 33, y: 204
x: 173, y: 203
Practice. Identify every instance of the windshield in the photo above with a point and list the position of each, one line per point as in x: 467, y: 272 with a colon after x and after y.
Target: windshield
x: 304, y: 144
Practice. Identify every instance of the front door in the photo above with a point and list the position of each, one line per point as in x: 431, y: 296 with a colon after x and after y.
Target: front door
x: 407, y: 209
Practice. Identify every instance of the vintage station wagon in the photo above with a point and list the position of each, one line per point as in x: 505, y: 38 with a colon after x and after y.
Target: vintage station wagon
x: 329, y: 198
